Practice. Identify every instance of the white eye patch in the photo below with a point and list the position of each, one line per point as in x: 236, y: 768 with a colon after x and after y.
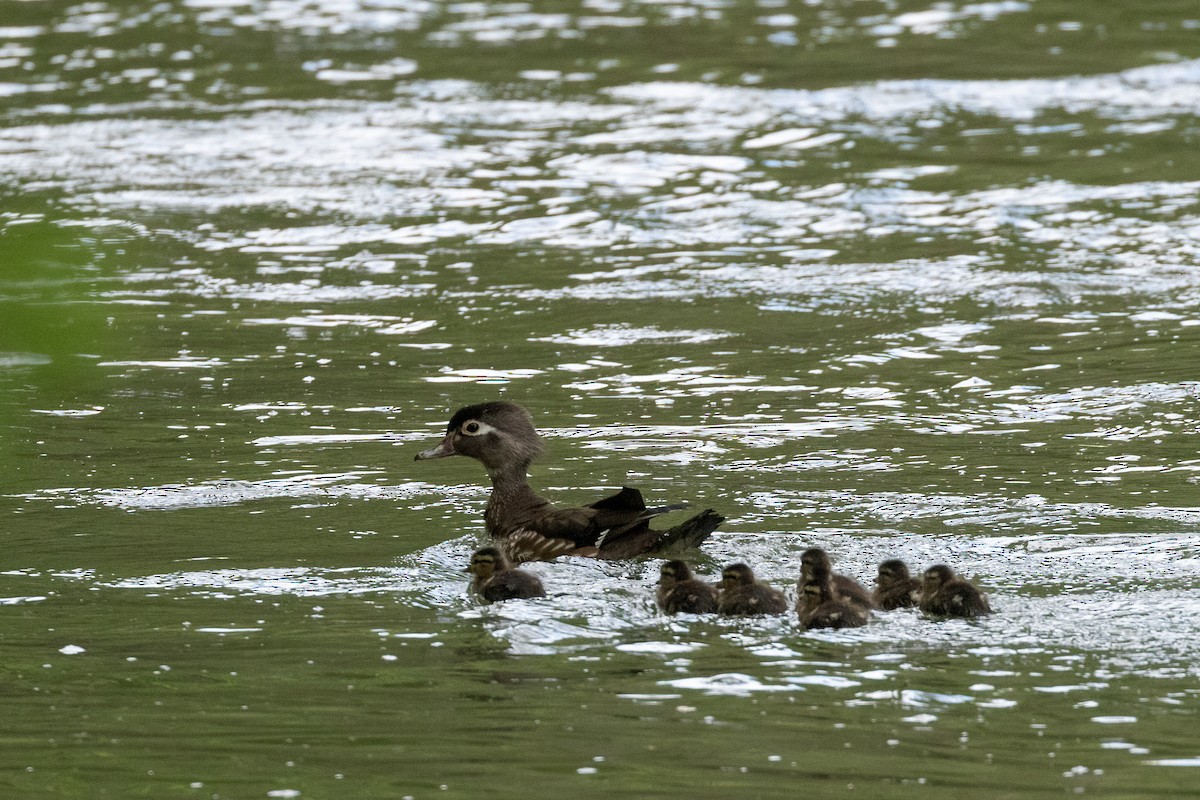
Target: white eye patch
x: 474, y: 427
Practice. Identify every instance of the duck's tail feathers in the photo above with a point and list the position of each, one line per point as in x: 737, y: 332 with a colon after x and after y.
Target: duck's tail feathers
x: 689, y: 534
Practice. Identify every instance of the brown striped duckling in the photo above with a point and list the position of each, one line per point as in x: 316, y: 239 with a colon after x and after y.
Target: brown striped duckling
x: 501, y: 436
x: 820, y: 606
x: 495, y: 579
x: 895, y: 587
x: 680, y: 592
x: 815, y: 559
x: 944, y: 594
x: 741, y: 595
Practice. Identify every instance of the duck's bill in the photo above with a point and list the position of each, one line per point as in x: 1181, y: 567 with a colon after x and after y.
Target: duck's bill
x: 446, y: 448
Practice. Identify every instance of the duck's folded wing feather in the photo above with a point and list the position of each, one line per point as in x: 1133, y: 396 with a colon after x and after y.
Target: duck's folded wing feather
x: 610, y: 517
x: 627, y: 500
x: 579, y: 525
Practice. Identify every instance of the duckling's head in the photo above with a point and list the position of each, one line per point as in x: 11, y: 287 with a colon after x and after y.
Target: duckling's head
x: 812, y: 560
x: 736, y: 575
x: 487, y: 561
x: 935, y: 577
x: 673, y: 572
x: 499, y: 434
x: 891, y: 572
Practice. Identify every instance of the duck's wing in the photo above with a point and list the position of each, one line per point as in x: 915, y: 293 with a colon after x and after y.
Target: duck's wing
x: 530, y: 545
x: 625, y: 501
x: 616, y: 526
x: 577, y: 525
x: 602, y: 521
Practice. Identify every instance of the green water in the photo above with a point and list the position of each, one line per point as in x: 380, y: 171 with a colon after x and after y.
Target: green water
x: 897, y: 279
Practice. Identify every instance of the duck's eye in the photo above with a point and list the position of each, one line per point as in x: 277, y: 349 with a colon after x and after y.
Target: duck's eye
x: 471, y: 428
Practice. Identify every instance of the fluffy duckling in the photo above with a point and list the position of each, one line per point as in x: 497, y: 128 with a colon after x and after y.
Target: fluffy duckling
x: 680, y: 591
x: 895, y: 587
x: 743, y: 596
x: 495, y: 579
x: 813, y: 560
x: 944, y: 594
x: 501, y: 436
x: 820, y: 606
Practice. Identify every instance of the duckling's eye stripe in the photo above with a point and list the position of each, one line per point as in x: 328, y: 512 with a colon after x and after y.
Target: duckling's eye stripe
x: 474, y: 427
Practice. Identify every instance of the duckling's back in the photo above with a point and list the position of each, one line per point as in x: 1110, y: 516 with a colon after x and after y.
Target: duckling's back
x: 751, y: 600
x: 513, y: 584
x: 689, y: 597
x: 835, y: 615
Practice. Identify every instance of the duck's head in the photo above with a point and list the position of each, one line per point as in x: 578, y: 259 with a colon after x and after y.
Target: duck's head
x: 499, y: 434
x: 673, y: 572
x: 935, y: 577
x: 486, y: 561
x: 891, y: 572
x: 736, y: 575
x: 812, y: 560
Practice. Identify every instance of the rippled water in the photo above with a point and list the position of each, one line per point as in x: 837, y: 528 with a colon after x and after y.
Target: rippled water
x: 899, y: 279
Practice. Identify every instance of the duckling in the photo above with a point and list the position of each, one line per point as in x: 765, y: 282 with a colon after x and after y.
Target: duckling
x: 820, y: 606
x: 944, y: 594
x: 501, y: 436
x: 743, y: 596
x: 814, y: 559
x: 495, y: 579
x: 895, y: 587
x: 679, y: 591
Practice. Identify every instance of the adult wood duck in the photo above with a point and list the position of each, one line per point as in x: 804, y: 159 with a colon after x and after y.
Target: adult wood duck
x: 820, y: 606
x: 501, y: 436
x: 741, y: 594
x: 814, y: 560
x: 680, y: 592
x: 895, y: 587
x: 944, y: 594
x: 495, y: 579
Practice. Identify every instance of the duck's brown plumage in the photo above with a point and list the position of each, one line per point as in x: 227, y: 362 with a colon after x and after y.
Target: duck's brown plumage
x: 895, y: 587
x: 495, y: 579
x: 741, y: 595
x: 501, y: 436
x: 820, y: 606
x: 681, y: 592
x: 944, y: 594
x: 815, y: 559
